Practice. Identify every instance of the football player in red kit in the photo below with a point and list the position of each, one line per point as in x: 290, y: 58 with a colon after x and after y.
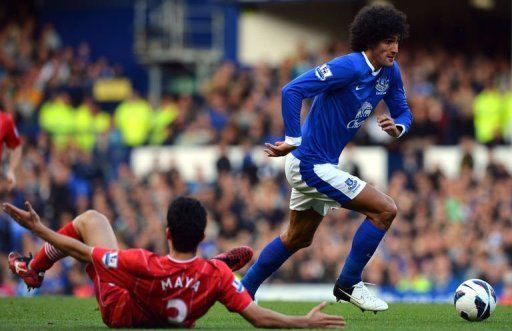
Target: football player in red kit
x: 137, y: 288
x: 10, y: 137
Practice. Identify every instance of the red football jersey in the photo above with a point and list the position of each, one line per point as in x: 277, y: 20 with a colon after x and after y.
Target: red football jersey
x: 8, y: 133
x: 168, y: 292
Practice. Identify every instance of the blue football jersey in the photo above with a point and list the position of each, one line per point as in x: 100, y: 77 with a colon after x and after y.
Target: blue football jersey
x: 347, y: 89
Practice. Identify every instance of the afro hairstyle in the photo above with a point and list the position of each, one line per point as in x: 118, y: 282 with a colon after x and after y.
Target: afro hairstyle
x: 375, y: 23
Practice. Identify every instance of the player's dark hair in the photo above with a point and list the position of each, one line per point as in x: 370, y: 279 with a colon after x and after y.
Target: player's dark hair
x: 375, y: 23
x: 186, y: 219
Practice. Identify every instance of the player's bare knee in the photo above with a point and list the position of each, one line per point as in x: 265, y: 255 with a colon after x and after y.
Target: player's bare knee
x: 391, y: 212
x: 388, y: 214
x: 88, y: 217
x: 384, y: 218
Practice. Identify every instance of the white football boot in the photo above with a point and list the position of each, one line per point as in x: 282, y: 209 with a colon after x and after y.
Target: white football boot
x: 361, y: 297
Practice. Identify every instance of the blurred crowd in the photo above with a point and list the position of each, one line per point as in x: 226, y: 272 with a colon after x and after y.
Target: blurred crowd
x: 49, y: 86
x: 76, y: 157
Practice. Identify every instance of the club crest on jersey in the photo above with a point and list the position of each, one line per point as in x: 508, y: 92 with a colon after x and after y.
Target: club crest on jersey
x: 362, y: 114
x: 110, y: 259
x: 323, y: 72
x: 238, y: 285
x: 351, y: 184
x: 382, y: 85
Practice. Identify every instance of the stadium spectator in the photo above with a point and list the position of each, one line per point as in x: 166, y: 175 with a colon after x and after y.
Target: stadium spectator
x: 90, y: 122
x: 164, y: 117
x: 133, y: 119
x: 56, y: 117
x: 489, y: 117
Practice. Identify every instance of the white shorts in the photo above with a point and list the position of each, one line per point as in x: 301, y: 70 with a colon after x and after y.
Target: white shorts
x: 320, y: 186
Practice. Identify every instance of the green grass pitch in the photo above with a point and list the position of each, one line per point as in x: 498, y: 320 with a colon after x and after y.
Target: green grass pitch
x: 66, y: 313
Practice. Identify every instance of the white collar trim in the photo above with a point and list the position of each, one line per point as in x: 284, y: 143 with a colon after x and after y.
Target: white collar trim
x: 374, y: 73
x: 182, y: 261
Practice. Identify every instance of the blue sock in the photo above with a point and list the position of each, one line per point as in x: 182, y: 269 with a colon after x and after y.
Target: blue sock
x: 364, y: 244
x: 271, y: 258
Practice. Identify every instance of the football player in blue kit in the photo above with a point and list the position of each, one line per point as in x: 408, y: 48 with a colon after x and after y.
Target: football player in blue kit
x: 346, y: 90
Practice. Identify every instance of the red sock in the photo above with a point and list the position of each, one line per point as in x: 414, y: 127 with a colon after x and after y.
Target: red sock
x: 49, y: 254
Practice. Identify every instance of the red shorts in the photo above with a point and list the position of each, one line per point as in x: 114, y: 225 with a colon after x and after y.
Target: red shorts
x: 116, y: 304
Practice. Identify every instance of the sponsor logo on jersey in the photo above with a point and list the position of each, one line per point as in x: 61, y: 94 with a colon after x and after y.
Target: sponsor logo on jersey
x: 238, y: 285
x: 382, y: 85
x: 323, y: 72
x: 362, y: 114
x: 110, y: 259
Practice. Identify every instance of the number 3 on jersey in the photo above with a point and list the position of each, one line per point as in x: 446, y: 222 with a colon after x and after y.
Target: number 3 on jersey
x: 176, y: 311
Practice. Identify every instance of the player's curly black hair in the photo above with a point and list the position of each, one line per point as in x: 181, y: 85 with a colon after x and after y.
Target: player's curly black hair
x: 375, y: 23
x: 186, y: 219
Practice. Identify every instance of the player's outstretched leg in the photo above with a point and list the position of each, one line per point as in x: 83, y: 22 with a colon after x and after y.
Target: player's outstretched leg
x: 236, y: 258
x: 90, y: 227
x: 300, y: 232
x: 380, y: 210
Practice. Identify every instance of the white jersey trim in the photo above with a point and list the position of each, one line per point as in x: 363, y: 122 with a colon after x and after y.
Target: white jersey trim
x: 403, y: 130
x: 181, y: 261
x: 374, y: 73
x: 293, y: 141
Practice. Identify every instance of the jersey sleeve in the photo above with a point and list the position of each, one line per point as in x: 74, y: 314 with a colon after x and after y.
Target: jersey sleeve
x: 233, y: 295
x: 397, y: 102
x: 328, y: 76
x: 12, y: 137
x: 120, y: 267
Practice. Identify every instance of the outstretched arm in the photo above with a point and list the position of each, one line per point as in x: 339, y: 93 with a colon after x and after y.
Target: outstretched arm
x: 31, y: 221
x: 265, y: 318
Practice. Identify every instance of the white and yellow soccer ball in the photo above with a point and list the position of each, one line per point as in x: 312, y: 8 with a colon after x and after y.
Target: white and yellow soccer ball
x: 475, y: 300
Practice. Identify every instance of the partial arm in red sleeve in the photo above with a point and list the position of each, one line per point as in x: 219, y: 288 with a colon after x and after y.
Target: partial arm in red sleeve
x: 13, y: 164
x: 13, y: 142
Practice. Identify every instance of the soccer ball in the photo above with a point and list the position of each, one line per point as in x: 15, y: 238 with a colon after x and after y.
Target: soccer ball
x: 474, y: 300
